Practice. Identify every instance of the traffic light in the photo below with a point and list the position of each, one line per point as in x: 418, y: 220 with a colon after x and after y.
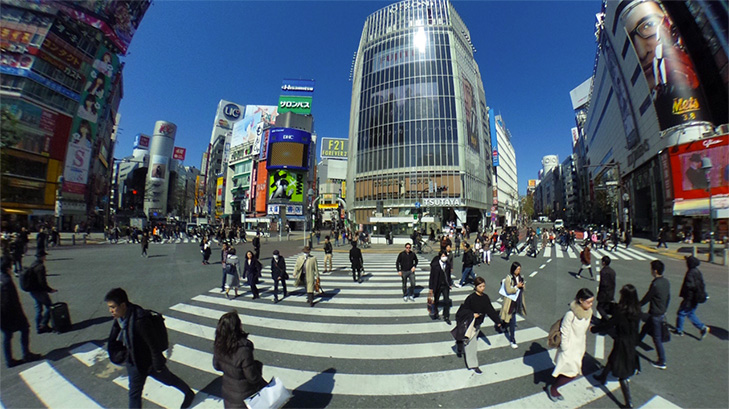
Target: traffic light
x: 134, y: 191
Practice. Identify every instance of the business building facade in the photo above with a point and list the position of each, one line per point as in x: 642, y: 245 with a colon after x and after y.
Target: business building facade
x: 657, y: 114
x: 505, y: 205
x: 61, y: 89
x: 419, y: 132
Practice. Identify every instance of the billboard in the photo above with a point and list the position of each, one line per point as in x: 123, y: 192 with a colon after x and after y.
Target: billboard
x: 288, y: 148
x: 179, y: 153
x: 141, y: 141
x: 297, y: 105
x: 260, y: 186
x: 621, y: 92
x: 668, y: 69
x: 250, y: 128
x: 469, y: 108
x: 302, y: 88
x: 334, y: 148
x: 286, y: 186
x: 689, y: 180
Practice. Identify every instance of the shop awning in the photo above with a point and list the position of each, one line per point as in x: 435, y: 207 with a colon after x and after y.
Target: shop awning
x: 700, y: 207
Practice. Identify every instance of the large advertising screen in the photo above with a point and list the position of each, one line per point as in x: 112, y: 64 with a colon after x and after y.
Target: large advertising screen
x: 689, y: 179
x: 285, y: 186
x: 672, y: 79
x: 288, y: 148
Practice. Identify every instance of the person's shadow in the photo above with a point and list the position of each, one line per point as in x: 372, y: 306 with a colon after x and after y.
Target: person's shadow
x: 316, y: 393
x: 537, y: 357
x: 91, y: 322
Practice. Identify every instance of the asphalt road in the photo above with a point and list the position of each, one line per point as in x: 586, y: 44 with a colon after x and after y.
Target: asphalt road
x: 361, y: 345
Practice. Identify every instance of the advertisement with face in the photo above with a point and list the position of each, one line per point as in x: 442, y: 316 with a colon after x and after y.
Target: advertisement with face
x: 672, y: 79
x: 689, y: 179
x: 159, y: 167
x: 469, y: 108
x: 252, y: 124
x: 286, y: 186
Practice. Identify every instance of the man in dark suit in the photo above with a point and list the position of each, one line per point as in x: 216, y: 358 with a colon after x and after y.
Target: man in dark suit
x: 440, y: 283
x: 606, y: 289
x: 355, y: 256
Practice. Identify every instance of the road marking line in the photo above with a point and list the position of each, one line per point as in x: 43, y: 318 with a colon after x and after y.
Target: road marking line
x: 89, y: 353
x: 547, y: 252
x: 549, y: 261
x: 168, y: 396
x: 534, y: 273
x: 542, y: 266
x: 599, y: 347
x: 577, y: 393
x: 338, y: 383
x: 658, y: 402
x: 356, y: 351
x: 558, y: 253
x: 53, y: 389
x: 628, y: 255
x: 457, y: 295
x: 571, y: 253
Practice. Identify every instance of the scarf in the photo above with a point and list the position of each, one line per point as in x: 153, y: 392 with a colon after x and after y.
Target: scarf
x: 580, y: 312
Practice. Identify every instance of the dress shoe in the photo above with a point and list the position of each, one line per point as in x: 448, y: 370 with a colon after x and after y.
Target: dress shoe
x: 30, y: 357
x: 447, y: 320
x: 45, y: 329
x: 477, y: 370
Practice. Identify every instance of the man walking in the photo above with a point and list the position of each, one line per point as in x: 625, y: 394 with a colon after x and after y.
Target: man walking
x: 39, y: 292
x: 693, y: 292
x: 405, y: 264
x: 257, y: 245
x: 658, y: 295
x: 469, y: 259
x: 278, y: 273
x: 13, y: 318
x: 327, y: 255
x: 606, y: 289
x: 355, y: 257
x: 306, y: 273
x: 440, y: 283
x: 132, y: 343
x: 662, y: 238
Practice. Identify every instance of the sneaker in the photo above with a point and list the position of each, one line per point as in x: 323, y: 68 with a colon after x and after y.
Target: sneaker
x: 678, y: 333
x: 704, y: 332
x: 659, y: 365
x: 514, y: 345
x: 411, y: 298
x: 457, y: 285
x: 405, y: 298
x: 477, y: 370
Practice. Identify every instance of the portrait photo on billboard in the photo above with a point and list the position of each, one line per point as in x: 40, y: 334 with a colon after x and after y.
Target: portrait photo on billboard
x: 159, y: 167
x: 690, y: 179
x: 469, y: 107
x: 286, y: 186
x: 668, y: 69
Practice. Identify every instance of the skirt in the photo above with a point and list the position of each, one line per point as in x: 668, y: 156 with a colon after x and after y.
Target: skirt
x: 232, y: 280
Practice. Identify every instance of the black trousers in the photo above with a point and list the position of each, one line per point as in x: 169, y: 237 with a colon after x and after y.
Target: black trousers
x: 357, y: 271
x: 445, y: 291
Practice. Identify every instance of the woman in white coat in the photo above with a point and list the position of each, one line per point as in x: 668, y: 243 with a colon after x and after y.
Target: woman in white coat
x: 575, y: 323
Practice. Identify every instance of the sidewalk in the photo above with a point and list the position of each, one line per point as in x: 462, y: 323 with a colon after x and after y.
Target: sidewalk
x: 680, y: 250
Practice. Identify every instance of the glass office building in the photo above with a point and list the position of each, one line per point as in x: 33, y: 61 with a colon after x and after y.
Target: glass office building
x: 419, y: 129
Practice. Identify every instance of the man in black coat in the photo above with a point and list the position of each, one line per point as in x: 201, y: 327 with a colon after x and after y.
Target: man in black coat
x: 278, y: 273
x: 355, y: 256
x: 440, y: 283
x: 131, y: 343
x: 606, y: 289
x: 257, y: 245
x: 40, y: 292
x: 693, y: 292
x: 12, y: 318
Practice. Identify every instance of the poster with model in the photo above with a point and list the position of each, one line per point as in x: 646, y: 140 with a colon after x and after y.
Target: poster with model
x: 286, y: 186
x: 159, y: 167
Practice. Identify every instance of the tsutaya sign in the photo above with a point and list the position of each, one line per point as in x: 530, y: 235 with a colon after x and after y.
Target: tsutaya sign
x: 443, y: 202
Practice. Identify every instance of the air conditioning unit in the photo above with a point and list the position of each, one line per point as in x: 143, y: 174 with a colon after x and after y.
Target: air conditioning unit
x: 722, y: 129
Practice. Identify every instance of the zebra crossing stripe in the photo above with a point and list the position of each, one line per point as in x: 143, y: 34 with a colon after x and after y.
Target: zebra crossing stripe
x: 624, y: 255
x: 571, y: 253
x: 633, y: 254
x: 638, y: 253
x: 548, y: 252
x: 167, y: 396
x: 658, y: 402
x: 354, y: 351
x: 53, y: 389
x: 396, y: 295
x: 426, y: 327
x: 338, y: 383
x: 577, y: 394
x: 89, y: 354
x: 558, y: 254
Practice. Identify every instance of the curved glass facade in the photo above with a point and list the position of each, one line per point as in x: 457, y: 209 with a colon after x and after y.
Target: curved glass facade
x: 416, y: 132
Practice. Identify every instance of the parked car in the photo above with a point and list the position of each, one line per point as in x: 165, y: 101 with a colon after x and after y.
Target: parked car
x: 558, y: 224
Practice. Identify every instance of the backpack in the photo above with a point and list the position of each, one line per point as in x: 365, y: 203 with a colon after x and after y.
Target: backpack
x: 159, y: 338
x: 554, y: 339
x: 28, y: 279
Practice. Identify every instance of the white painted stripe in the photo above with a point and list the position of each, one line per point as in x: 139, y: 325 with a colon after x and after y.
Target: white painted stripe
x: 625, y: 255
x: 542, y: 266
x: 54, y: 390
x: 628, y: 253
x: 169, y: 397
x: 577, y: 394
x: 534, y: 273
x: 458, y: 295
x: 316, y: 327
x: 549, y: 261
x: 571, y: 253
x: 355, y: 351
x: 547, y: 252
x: 340, y: 383
x: 599, y: 347
x: 558, y: 253
x: 658, y: 402
x: 597, y: 254
x: 89, y: 353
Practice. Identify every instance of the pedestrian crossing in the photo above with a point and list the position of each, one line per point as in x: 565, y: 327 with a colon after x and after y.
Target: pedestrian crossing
x: 361, y: 341
x: 573, y: 252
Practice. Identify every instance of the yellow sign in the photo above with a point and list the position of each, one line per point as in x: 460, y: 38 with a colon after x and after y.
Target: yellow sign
x: 344, y: 189
x: 328, y: 205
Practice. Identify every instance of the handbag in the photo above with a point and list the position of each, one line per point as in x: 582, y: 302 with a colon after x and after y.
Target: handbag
x: 272, y: 396
x: 554, y: 339
x: 471, y: 332
x: 429, y: 304
x: 502, y: 291
x: 665, y: 334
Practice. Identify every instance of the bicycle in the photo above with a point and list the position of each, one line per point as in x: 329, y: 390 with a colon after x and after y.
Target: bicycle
x: 424, y: 247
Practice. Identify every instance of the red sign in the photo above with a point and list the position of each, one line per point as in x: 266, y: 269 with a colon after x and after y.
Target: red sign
x: 690, y: 181
x: 166, y: 129
x: 178, y: 153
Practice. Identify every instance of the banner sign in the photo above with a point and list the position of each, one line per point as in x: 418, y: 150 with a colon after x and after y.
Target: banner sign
x: 302, y: 88
x: 334, y: 148
x: 295, y: 210
x: 179, y: 153
x: 141, y: 141
x: 297, y: 105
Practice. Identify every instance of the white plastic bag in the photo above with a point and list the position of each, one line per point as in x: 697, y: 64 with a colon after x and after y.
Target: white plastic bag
x: 272, y: 396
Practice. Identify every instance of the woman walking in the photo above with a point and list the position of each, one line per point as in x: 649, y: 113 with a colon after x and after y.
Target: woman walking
x: 233, y: 355
x: 473, y: 310
x: 145, y: 244
x: 232, y: 272
x: 513, y: 285
x: 252, y: 271
x: 568, y: 362
x: 623, y: 360
x: 205, y: 250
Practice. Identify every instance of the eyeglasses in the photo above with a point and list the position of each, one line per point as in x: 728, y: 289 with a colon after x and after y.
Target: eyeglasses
x: 648, y: 26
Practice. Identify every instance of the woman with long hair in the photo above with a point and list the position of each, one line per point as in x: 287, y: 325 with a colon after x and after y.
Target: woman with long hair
x: 568, y: 362
x: 623, y: 361
x: 252, y: 271
x: 477, y: 305
x: 513, y: 284
x: 233, y: 355
x: 232, y: 272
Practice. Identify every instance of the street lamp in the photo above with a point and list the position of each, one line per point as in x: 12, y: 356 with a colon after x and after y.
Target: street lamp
x: 706, y: 167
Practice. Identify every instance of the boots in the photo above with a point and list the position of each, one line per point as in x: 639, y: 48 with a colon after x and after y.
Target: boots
x: 625, y: 387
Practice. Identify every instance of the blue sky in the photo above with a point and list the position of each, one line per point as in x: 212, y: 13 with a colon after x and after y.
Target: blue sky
x: 187, y: 55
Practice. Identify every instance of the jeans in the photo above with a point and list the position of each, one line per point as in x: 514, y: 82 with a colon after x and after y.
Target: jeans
x: 408, y: 274
x: 512, y: 328
x: 137, y: 380
x: 654, y: 326
x: 688, y: 310
x: 8, y: 341
x: 467, y: 271
x: 41, y: 299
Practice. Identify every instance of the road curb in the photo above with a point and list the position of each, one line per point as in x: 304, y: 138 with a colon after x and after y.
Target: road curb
x: 670, y: 254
